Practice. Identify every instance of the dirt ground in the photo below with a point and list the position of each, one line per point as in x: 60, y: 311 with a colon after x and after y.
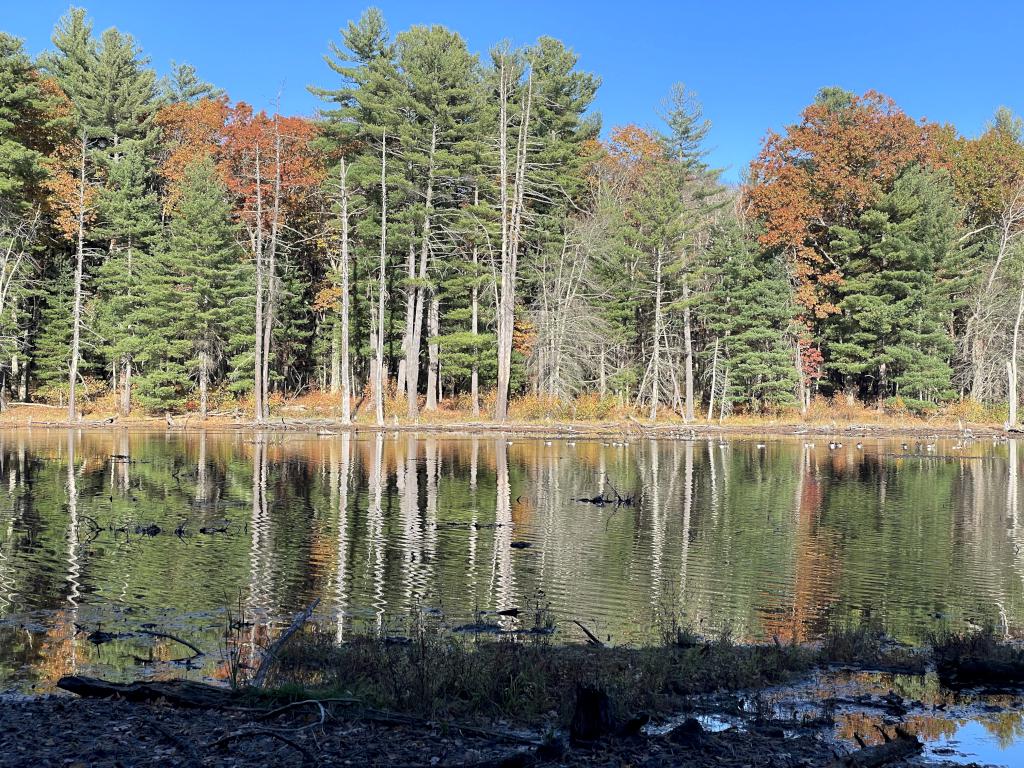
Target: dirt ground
x: 75, y: 733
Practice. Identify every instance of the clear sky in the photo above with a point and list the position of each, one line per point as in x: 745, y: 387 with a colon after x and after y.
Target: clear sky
x: 754, y: 65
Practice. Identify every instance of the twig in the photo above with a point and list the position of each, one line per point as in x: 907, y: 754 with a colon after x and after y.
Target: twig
x: 234, y: 736
x: 271, y: 653
x: 292, y: 705
x: 179, y: 741
x: 166, y: 636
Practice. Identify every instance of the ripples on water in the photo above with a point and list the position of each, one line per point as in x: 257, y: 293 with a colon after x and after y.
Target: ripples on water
x: 780, y: 538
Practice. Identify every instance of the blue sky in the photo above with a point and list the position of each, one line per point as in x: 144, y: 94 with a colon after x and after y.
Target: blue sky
x: 753, y: 65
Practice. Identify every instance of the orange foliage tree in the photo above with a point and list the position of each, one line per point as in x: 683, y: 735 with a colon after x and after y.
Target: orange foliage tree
x: 825, y: 171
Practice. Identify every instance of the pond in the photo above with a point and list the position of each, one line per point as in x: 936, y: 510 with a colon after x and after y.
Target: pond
x: 192, y: 533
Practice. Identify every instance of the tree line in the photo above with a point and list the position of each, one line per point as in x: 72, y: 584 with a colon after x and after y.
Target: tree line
x: 453, y: 227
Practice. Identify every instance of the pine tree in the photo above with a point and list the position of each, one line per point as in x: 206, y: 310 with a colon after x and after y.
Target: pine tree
x: 749, y: 311
x: 192, y: 311
x: 890, y: 337
x: 26, y: 116
x: 184, y: 86
x: 128, y: 219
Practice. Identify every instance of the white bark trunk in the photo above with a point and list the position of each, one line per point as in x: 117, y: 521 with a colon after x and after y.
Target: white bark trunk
x: 378, y: 373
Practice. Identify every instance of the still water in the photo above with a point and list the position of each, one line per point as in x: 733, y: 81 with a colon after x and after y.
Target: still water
x: 118, y: 531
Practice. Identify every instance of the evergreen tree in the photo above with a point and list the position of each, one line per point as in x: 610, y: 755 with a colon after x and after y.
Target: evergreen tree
x: 26, y: 116
x: 128, y: 219
x: 184, y: 86
x: 191, y: 309
x: 890, y: 337
x: 749, y: 311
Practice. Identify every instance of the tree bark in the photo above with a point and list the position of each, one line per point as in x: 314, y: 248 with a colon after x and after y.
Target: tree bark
x: 335, y: 379
x: 412, y: 354
x: 344, y: 363
x: 688, y: 351
x: 433, y: 362
x: 76, y: 316
x: 511, y: 222
x: 714, y: 381
x: 410, y: 311
x: 1012, y: 365
x: 268, y: 318
x: 204, y: 382
x: 378, y: 373
x: 656, y: 341
x: 258, y: 254
x: 474, y: 376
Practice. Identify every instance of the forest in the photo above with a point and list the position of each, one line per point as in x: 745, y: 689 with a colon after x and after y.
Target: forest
x: 459, y: 231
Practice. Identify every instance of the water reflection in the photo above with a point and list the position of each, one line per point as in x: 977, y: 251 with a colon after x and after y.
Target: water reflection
x: 782, y: 538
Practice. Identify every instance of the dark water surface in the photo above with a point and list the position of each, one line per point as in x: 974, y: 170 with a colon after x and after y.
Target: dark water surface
x: 779, y: 537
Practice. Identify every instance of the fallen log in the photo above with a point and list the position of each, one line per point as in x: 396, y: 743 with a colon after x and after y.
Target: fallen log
x: 270, y: 656
x: 904, y: 745
x: 180, y: 693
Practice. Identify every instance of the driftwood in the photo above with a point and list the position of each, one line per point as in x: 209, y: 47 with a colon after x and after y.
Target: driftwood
x: 591, y: 637
x: 271, y: 654
x: 195, y: 651
x: 904, y: 745
x: 180, y: 693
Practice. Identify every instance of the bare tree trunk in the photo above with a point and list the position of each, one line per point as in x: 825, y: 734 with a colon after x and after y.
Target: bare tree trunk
x: 378, y: 373
x: 474, y: 377
x: 511, y: 223
x: 335, y: 379
x: 268, y: 319
x: 77, y: 308
x: 204, y: 382
x: 412, y: 353
x: 126, y: 385
x: 714, y: 381
x: 345, y: 364
x: 602, y: 377
x: 656, y: 341
x: 125, y: 399
x: 433, y: 371
x: 688, y: 351
x: 1011, y: 365
x: 258, y: 254
x: 410, y: 311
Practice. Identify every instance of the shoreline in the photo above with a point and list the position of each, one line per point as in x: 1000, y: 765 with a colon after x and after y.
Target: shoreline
x: 692, y: 702
x: 327, y: 426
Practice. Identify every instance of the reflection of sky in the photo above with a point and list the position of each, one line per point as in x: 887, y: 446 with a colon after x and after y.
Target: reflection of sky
x: 974, y: 743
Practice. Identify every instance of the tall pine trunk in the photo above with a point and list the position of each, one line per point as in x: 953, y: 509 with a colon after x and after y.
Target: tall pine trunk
x: 268, y: 317
x: 714, y: 381
x: 511, y: 224
x: 76, y: 312
x: 474, y: 376
x: 433, y: 361
x: 410, y: 309
x: 688, y: 351
x: 378, y: 372
x: 204, y: 382
x: 343, y: 341
x: 258, y: 322
x: 656, y: 341
x: 412, y: 354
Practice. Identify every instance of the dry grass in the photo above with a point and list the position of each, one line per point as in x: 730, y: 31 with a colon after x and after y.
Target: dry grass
x: 528, y: 681
x: 530, y: 409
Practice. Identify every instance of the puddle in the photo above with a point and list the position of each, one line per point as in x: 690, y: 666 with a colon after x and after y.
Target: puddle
x: 987, y: 742
x: 965, y: 728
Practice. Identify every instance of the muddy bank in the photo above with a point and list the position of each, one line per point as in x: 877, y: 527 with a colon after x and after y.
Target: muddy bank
x: 60, y: 731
